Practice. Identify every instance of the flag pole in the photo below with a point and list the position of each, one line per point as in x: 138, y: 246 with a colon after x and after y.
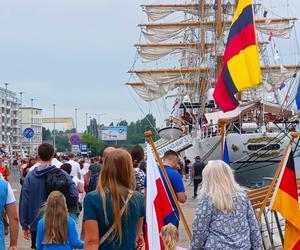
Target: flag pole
x: 222, y: 125
x: 294, y: 135
x: 148, y: 134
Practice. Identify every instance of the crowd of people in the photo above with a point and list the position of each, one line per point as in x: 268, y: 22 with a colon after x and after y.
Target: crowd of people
x: 110, y: 193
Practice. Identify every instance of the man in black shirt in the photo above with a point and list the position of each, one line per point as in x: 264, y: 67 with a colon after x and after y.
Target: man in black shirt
x: 197, y: 169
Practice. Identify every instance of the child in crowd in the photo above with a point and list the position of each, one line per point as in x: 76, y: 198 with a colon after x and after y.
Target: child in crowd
x: 170, y: 236
x: 57, y: 230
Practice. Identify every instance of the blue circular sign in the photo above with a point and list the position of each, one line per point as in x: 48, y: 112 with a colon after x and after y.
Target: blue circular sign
x: 28, y: 133
x: 75, y: 139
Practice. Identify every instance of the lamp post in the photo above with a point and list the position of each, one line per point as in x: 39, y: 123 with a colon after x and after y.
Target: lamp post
x: 21, y: 128
x: 31, y: 125
x: 54, y: 132
x: 76, y: 119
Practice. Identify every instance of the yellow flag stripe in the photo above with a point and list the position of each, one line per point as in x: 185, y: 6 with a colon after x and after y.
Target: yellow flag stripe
x: 244, y: 68
x: 242, y: 4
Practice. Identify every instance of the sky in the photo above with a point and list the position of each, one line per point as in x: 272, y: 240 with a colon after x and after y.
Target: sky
x: 74, y: 53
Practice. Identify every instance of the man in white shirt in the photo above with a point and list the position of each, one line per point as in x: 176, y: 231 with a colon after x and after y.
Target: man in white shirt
x: 75, y: 166
x: 56, y: 162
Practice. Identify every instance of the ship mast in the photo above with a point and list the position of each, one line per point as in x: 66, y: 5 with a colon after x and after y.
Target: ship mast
x: 203, y: 82
x: 219, y: 31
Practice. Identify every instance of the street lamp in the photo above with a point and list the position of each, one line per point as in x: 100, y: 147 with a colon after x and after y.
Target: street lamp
x: 76, y: 119
x: 31, y: 125
x: 54, y: 133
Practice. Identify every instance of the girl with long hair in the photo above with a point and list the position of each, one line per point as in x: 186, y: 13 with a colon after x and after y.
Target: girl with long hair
x: 113, y: 214
x: 57, y: 230
x: 224, y: 217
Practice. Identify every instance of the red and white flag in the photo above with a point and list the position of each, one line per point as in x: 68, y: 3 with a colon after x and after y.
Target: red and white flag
x: 158, y: 204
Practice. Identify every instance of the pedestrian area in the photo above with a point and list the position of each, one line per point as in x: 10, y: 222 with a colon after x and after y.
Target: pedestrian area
x: 189, y: 209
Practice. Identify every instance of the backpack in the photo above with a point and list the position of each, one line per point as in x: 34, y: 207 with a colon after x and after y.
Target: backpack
x: 93, y: 182
x: 57, y: 180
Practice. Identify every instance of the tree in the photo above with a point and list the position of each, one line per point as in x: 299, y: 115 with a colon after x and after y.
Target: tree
x: 62, y: 143
x: 93, y: 128
x: 123, y: 123
x: 46, y: 134
x: 95, y: 146
x: 71, y: 131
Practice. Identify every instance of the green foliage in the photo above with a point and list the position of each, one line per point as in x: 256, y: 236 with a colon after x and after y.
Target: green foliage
x: 46, y: 134
x: 93, y: 128
x: 71, y: 131
x: 95, y: 146
x: 62, y: 143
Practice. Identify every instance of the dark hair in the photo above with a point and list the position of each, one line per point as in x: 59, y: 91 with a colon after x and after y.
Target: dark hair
x: 81, y: 164
x: 137, y: 155
x: 170, y: 153
x: 45, y: 151
x: 66, y: 167
x: 71, y: 155
x: 31, y: 162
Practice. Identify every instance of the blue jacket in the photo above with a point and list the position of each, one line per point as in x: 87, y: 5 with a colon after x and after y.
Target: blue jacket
x: 33, y: 196
x: 73, y: 241
x: 3, y: 196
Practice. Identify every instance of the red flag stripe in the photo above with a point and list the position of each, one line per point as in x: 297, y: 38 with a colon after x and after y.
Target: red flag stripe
x: 222, y: 96
x: 288, y: 185
x: 297, y: 246
x: 240, y: 42
x: 162, y: 206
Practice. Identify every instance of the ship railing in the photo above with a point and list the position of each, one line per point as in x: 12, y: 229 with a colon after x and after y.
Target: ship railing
x: 210, y: 130
x: 272, y: 223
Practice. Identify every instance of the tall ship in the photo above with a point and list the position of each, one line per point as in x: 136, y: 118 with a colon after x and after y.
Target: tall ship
x: 179, y: 58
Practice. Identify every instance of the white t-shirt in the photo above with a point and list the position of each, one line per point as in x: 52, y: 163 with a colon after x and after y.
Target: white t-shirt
x: 10, y: 199
x: 86, y: 167
x: 82, y: 174
x: 75, y: 167
x: 56, y: 163
x: 76, y: 180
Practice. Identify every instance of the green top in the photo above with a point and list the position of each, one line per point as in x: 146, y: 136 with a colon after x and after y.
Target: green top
x: 93, y: 210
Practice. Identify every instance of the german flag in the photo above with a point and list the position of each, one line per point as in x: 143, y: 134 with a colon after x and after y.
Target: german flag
x: 241, y: 67
x: 285, y: 201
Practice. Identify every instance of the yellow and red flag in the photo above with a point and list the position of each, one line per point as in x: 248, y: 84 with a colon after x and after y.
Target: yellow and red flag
x: 241, y: 67
x: 285, y: 201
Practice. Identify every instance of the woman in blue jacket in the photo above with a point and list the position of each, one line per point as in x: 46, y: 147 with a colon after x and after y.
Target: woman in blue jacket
x: 57, y: 230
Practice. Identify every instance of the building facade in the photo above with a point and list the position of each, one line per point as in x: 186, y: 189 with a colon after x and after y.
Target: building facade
x: 10, y: 121
x: 31, y: 118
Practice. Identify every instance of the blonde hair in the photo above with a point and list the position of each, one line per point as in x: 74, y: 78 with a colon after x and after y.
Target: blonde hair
x: 169, y: 234
x: 116, y: 180
x: 219, y: 184
x: 56, y: 219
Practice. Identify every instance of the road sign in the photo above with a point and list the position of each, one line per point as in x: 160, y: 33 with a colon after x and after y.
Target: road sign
x: 28, y: 133
x: 75, y: 149
x: 75, y: 140
x: 83, y: 148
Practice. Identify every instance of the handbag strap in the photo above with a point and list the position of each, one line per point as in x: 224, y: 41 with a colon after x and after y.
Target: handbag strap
x: 108, y: 233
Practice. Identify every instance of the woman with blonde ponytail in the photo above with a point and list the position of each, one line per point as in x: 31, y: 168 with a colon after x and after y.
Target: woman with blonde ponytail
x: 224, y: 217
x: 57, y: 230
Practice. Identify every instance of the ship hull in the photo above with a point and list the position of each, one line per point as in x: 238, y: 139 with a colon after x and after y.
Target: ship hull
x: 254, y: 157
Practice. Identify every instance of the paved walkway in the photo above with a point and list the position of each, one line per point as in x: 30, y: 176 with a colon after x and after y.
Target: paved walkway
x: 188, y: 208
